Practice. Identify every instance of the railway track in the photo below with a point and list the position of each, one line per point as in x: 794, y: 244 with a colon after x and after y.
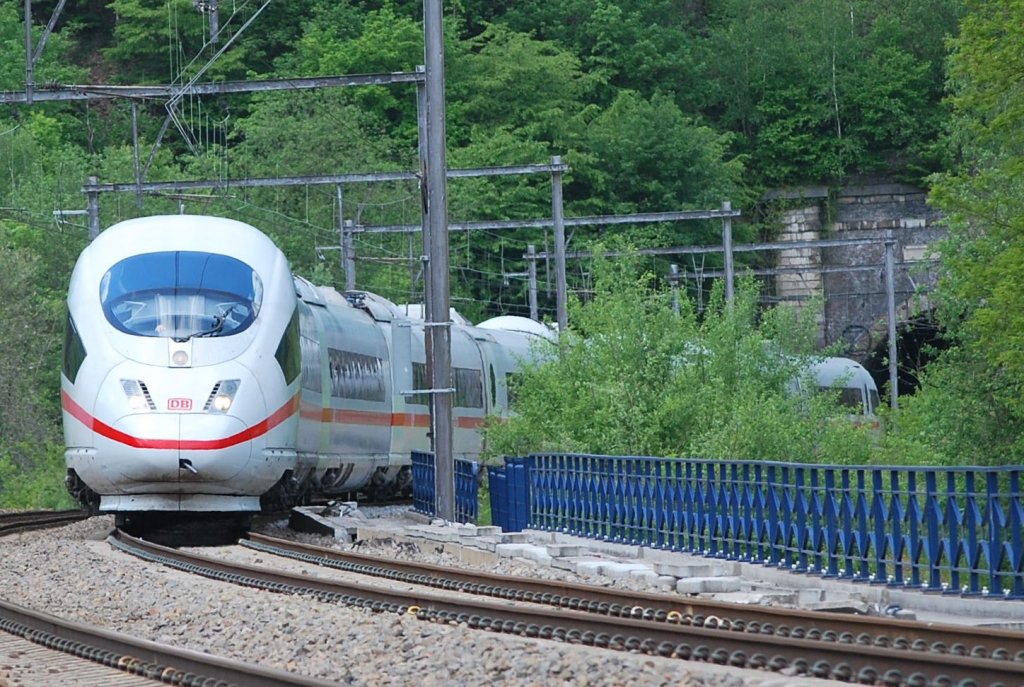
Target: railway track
x: 10, y: 523
x: 152, y: 661
x: 849, y: 649
x: 73, y: 653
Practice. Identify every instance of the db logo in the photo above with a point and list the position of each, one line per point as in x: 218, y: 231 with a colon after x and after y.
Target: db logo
x: 179, y: 404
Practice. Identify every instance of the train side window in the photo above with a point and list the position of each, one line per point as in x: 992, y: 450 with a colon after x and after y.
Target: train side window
x: 356, y: 375
x: 469, y: 391
x: 512, y: 380
x: 494, y: 386
x: 849, y: 397
x: 289, y: 352
x: 419, y: 381
x: 873, y: 400
x: 74, y: 350
x: 310, y: 364
x: 310, y: 349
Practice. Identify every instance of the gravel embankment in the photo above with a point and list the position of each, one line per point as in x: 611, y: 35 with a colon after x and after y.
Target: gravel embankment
x: 72, y: 572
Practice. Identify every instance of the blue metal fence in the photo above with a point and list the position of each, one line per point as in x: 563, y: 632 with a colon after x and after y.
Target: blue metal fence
x: 944, y: 530
x: 467, y: 479
x: 510, y: 494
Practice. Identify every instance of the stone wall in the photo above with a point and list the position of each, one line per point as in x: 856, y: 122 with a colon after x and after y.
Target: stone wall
x: 853, y: 276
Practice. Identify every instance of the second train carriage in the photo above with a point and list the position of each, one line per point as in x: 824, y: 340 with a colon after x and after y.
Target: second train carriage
x: 363, y: 361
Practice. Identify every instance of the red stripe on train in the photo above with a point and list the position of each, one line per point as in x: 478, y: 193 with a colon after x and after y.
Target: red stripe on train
x: 380, y: 418
x: 103, y: 429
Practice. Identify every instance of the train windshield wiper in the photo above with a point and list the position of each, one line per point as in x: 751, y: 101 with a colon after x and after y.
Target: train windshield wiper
x: 215, y: 330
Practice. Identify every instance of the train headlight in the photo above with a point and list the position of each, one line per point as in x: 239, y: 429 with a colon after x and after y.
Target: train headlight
x: 222, y: 396
x: 138, y: 395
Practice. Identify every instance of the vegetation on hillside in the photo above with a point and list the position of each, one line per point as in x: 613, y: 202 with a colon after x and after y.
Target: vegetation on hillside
x: 656, y: 105
x: 634, y: 377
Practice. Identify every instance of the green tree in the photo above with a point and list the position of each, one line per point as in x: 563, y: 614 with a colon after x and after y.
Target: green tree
x: 974, y: 404
x: 341, y: 41
x: 507, y: 80
x: 822, y: 90
x: 53, y: 65
x: 631, y: 377
x: 168, y: 42
x: 647, y: 156
x: 30, y: 339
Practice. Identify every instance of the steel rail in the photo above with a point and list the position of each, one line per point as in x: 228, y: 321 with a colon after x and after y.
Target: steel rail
x: 850, y: 661
x: 11, y: 523
x: 140, y: 656
x: 890, y: 631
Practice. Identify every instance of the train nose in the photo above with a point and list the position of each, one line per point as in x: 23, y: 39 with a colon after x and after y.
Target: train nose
x: 180, y: 448
x: 217, y: 448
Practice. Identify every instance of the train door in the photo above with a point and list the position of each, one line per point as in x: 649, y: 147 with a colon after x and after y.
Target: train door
x: 468, y: 403
x: 410, y: 412
x: 314, y: 434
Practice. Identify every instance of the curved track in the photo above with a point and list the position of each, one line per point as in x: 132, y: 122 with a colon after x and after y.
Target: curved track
x: 23, y: 521
x: 159, y: 662
x: 816, y: 645
x: 80, y: 654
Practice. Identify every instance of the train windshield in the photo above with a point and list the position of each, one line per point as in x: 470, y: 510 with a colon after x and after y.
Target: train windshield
x: 181, y: 295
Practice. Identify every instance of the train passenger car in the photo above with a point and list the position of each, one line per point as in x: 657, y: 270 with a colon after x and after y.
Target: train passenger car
x: 201, y: 376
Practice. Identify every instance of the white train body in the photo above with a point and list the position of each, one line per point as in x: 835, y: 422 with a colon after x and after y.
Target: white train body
x: 201, y: 376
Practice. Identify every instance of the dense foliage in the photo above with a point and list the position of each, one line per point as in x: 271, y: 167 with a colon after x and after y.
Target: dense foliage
x: 656, y: 105
x: 636, y: 378
x: 972, y: 410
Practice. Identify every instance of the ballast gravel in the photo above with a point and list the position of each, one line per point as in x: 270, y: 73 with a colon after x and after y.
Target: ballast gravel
x: 72, y: 572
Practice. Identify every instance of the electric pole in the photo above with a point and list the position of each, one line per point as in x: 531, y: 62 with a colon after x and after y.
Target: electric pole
x: 438, y: 325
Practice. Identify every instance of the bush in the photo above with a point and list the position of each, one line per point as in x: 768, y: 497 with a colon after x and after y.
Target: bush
x: 34, y: 479
x: 631, y: 377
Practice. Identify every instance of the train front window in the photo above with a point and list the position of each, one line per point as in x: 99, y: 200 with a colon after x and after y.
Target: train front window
x: 181, y: 295
x: 849, y: 397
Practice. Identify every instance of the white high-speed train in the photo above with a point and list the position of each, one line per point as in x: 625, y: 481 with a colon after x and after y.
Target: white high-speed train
x: 201, y: 376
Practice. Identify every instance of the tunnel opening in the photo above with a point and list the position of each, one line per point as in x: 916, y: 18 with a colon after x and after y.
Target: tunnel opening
x: 919, y: 341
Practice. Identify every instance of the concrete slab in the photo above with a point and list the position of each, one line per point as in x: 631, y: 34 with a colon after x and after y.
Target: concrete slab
x: 615, y: 570
x: 591, y: 568
x: 645, y: 575
x: 510, y: 550
x: 743, y: 582
x: 708, y: 585
x: 538, y: 554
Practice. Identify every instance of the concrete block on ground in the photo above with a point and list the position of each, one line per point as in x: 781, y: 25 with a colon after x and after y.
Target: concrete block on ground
x: 538, y: 554
x: 562, y: 550
x: 475, y: 556
x: 708, y: 585
x: 645, y: 575
x: 309, y: 520
x: 510, y: 550
x: 684, y: 570
x: 756, y: 598
x: 564, y: 564
x: 514, y: 538
x: 589, y: 567
x: 846, y: 606
x: 667, y: 583
x: 807, y: 597
x: 483, y: 543
x: 616, y: 570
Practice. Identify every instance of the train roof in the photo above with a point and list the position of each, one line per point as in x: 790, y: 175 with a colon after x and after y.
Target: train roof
x: 828, y: 371
x: 522, y: 325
